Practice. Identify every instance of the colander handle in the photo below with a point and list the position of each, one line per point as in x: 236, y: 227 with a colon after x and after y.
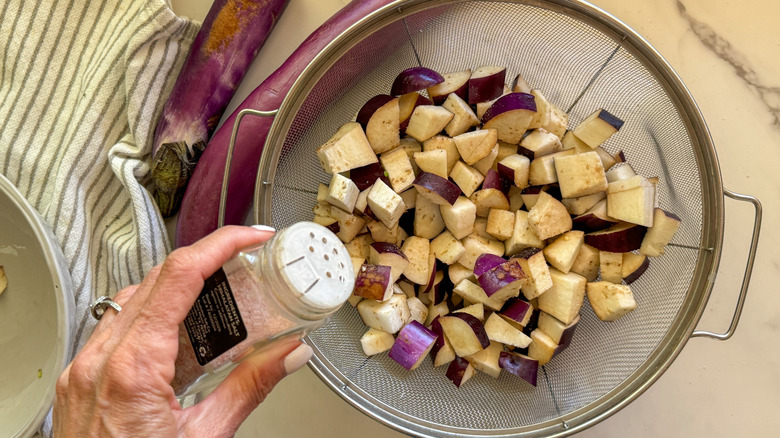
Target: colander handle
x: 748, y: 269
x: 229, y: 159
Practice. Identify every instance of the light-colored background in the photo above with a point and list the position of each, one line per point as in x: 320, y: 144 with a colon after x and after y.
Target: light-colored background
x: 728, y: 54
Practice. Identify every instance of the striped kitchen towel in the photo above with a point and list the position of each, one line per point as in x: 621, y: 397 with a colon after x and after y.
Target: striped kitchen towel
x: 82, y: 83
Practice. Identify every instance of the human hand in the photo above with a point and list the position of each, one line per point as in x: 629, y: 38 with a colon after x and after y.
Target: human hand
x: 119, y: 383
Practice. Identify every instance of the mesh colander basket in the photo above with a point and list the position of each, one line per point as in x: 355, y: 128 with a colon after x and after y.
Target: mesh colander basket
x: 582, y: 59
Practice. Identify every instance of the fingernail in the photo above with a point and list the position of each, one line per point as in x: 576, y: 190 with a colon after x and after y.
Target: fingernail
x: 297, y: 358
x: 264, y: 228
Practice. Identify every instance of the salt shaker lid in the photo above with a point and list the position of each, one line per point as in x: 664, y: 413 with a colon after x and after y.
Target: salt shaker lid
x: 317, y: 265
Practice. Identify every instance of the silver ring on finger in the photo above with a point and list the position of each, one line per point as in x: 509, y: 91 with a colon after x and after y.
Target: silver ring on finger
x: 99, y: 306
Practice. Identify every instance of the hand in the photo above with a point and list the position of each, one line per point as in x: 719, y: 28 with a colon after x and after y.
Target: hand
x: 119, y: 383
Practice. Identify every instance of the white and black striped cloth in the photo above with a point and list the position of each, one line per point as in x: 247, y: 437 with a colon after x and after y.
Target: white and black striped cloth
x: 82, y: 83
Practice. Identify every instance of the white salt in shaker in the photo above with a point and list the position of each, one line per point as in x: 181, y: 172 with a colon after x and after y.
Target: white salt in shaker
x: 282, y: 289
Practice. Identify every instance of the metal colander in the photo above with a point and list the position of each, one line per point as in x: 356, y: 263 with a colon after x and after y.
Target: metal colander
x: 582, y: 59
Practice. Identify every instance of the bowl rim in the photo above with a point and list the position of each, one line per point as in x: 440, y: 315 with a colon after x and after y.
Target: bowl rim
x: 60, y: 276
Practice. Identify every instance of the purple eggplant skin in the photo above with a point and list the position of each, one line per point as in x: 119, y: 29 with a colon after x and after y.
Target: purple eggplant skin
x: 412, y: 344
x: 227, y: 43
x: 198, y: 215
x: 486, y: 262
x: 519, y: 365
x: 457, y: 370
x: 501, y: 276
x: 415, y: 79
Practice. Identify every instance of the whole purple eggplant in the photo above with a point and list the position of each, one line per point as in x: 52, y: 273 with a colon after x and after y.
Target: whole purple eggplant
x: 223, y: 50
x: 200, y: 205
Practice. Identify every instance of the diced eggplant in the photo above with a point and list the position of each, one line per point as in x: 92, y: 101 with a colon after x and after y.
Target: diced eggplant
x: 460, y: 371
x: 520, y: 365
x: 621, y: 237
x: 610, y: 301
x: 436, y: 189
x: 415, y: 79
x: 499, y: 330
x: 412, y: 345
x: 376, y: 341
x: 374, y: 282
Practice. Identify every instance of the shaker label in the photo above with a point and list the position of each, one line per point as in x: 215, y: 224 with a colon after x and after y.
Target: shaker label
x: 214, y: 324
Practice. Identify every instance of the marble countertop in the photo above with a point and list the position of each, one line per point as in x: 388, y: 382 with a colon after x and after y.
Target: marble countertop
x: 726, y: 52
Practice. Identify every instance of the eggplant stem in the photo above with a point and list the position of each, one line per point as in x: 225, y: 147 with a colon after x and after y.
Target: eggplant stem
x: 172, y: 168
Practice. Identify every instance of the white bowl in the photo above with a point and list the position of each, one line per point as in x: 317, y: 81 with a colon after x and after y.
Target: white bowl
x: 36, y: 315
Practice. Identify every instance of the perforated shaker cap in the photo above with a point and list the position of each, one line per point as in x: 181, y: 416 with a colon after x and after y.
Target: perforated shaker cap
x: 317, y: 265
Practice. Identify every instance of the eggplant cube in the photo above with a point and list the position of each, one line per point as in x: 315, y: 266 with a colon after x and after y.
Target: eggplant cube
x: 433, y: 161
x: 611, y: 266
x: 465, y: 332
x: 447, y: 248
x: 347, y: 149
x: 580, y: 205
x: 519, y: 365
x: 417, y: 310
x: 542, y: 169
x: 376, y: 341
x: 459, y: 217
x: 388, y: 316
x: 538, y: 279
x: 557, y: 331
x: 442, y: 142
x: 634, y: 265
x: 385, y: 204
x: 383, y: 127
x: 442, y: 352
x: 475, y: 246
x: 486, y: 360
x: 517, y: 312
x: 388, y: 254
x: 580, y: 174
x: 515, y: 168
x: 460, y: 371
x: 548, y: 217
x: 417, y: 251
x: 523, y: 236
x: 342, y: 192
x: 510, y: 115
x: 587, y: 262
x: 597, y: 128
x: 466, y: 177
x: 454, y: 83
x: 472, y: 293
x: 665, y: 225
x: 399, y: 169
x: 489, y: 199
x: 500, y: 223
x: 632, y: 200
x: 464, y: 117
x: 476, y: 145
x: 374, y: 282
x: 542, y: 347
x: 540, y: 142
x: 476, y: 310
x: 412, y: 345
x: 458, y: 273
x: 562, y: 252
x: 428, y: 222
x: 427, y: 121
x: 564, y: 299
x: 499, y: 330
x: 610, y: 301
x: 349, y: 224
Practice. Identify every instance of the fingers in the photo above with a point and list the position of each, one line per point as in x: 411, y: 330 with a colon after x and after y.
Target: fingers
x: 182, y: 274
x: 246, y: 387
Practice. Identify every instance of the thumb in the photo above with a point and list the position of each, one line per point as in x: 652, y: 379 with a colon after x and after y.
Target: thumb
x: 223, y: 411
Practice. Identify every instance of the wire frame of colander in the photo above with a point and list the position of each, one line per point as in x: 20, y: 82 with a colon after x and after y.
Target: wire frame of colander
x: 372, y: 384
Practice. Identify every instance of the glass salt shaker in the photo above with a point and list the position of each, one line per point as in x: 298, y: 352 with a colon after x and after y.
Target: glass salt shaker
x: 282, y: 289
